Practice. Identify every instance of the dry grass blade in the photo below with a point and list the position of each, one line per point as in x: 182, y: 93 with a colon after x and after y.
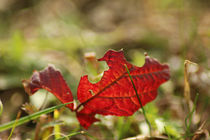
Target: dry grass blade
x: 187, y: 94
x: 13, y: 128
x: 141, y: 137
x: 201, y: 132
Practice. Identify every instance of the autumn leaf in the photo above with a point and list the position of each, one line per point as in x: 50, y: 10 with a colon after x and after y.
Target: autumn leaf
x: 114, y: 93
x: 51, y: 80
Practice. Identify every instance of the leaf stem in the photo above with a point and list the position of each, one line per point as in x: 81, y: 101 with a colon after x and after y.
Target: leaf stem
x: 139, y: 99
x: 28, y: 118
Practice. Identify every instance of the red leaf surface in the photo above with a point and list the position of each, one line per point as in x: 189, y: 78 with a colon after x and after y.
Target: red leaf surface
x: 114, y: 93
x: 51, y: 80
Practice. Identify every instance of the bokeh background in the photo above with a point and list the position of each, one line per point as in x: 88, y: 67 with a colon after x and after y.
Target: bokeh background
x: 67, y: 33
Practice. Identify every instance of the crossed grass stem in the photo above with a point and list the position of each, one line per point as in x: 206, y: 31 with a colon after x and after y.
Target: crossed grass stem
x: 28, y: 118
x: 139, y: 99
x: 23, y: 120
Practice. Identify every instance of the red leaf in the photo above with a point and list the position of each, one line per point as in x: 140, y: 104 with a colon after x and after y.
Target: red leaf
x: 114, y: 93
x: 51, y: 80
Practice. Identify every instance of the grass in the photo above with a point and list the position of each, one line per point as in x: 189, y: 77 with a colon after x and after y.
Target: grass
x: 123, y: 129
x: 188, y: 119
x: 77, y: 133
x: 139, y: 99
x: 28, y: 118
x: 171, y: 31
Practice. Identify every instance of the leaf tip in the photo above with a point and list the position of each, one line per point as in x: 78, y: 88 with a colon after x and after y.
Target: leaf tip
x: 86, y: 120
x: 26, y: 85
x: 111, y: 54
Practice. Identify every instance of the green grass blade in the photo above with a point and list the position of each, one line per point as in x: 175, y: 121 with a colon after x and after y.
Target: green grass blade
x: 77, y: 133
x: 56, y: 126
x: 139, y: 99
x: 70, y: 135
x: 169, y: 137
x: 28, y: 118
x: 13, y: 128
x: 188, y: 119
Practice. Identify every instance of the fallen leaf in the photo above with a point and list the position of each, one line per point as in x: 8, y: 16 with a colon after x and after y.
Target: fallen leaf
x: 114, y: 93
x: 51, y: 80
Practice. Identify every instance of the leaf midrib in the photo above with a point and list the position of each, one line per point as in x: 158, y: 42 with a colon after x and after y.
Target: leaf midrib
x: 110, y: 84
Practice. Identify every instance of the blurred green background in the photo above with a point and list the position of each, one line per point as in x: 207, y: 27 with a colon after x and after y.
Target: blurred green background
x: 35, y: 33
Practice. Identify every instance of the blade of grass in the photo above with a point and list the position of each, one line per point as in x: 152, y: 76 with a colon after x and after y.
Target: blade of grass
x: 187, y: 95
x: 188, y: 119
x: 13, y: 128
x: 1, y: 107
x: 37, y: 129
x: 92, y: 137
x: 70, y: 135
x: 139, y: 99
x: 56, y: 127
x: 30, y: 117
x: 123, y: 126
x: 169, y: 137
x: 77, y: 133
